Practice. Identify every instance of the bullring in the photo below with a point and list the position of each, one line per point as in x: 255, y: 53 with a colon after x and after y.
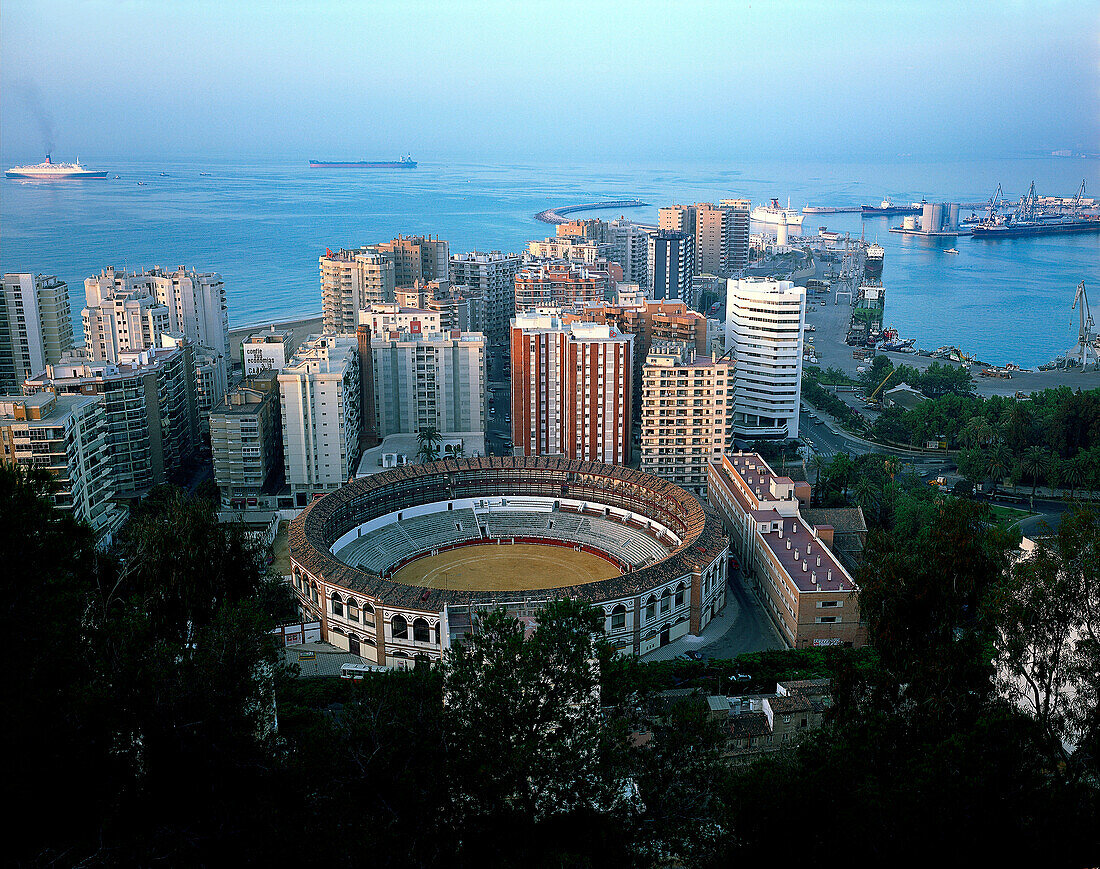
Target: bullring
x: 397, y: 564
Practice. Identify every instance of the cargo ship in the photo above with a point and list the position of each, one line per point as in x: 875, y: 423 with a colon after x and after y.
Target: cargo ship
x: 887, y: 208
x: 1023, y: 228
x: 775, y: 214
x: 872, y: 265
x: 827, y: 209
x: 406, y: 162
x: 50, y: 171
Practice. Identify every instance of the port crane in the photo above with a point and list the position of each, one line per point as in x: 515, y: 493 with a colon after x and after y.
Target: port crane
x: 1077, y: 199
x: 871, y: 398
x: 1084, y: 336
x: 1026, y: 209
x: 995, y: 203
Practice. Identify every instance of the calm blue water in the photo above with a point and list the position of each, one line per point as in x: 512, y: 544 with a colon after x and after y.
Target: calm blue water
x: 263, y: 226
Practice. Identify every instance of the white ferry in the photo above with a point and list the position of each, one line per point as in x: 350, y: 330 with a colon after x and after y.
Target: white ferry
x: 775, y: 214
x: 50, y: 171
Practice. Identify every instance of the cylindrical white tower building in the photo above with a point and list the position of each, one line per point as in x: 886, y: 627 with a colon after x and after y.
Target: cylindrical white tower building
x: 764, y: 325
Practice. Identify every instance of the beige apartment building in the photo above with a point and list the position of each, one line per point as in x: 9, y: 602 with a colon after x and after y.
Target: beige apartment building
x: 721, y: 233
x: 687, y: 401
x: 786, y: 561
x: 36, y: 326
x: 417, y: 258
x: 351, y: 281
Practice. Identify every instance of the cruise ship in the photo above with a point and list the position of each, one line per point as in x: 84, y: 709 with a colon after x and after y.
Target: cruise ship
x: 775, y: 214
x: 50, y: 171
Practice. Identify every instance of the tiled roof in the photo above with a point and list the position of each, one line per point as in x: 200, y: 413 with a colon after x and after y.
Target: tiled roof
x: 749, y: 724
x: 845, y: 520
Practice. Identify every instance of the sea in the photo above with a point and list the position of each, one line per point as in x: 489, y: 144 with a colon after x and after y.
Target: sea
x: 262, y: 224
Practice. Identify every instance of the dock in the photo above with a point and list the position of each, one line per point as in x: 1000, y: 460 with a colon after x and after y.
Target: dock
x: 557, y: 215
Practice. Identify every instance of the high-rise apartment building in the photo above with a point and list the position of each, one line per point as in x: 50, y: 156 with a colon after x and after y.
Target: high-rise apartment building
x: 246, y: 439
x: 417, y: 258
x: 557, y: 285
x: 630, y: 249
x: 266, y: 351
x: 65, y: 435
x: 394, y: 317
x: 677, y: 218
x: 351, y: 281
x: 648, y: 322
x: 722, y: 237
x: 578, y: 250
x: 492, y: 278
x: 36, y: 327
x: 764, y: 323
x: 149, y: 401
x: 571, y: 388
x: 428, y: 380
x: 687, y: 409
x: 134, y: 311
x: 670, y: 265
x: 737, y: 251
x: 320, y: 401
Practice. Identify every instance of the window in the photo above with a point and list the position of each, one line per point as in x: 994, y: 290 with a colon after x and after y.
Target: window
x: 680, y: 595
x: 420, y: 631
x: 337, y: 605
x: 353, y: 609
x: 666, y: 600
x: 650, y: 609
x: 400, y: 628
x: 618, y: 617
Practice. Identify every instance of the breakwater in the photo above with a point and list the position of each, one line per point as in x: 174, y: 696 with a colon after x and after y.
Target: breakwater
x: 557, y: 215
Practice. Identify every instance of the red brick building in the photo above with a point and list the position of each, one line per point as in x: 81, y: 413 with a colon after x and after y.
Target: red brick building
x: 571, y: 389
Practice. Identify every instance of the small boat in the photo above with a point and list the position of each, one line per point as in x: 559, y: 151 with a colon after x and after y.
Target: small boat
x: 204, y: 173
x: 116, y: 177
x: 950, y: 250
x: 141, y: 184
x: 163, y: 174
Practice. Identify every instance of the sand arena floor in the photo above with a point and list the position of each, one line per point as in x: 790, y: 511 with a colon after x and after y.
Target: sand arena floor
x: 505, y: 567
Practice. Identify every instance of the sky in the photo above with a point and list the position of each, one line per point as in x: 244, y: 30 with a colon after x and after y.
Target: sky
x: 549, y: 80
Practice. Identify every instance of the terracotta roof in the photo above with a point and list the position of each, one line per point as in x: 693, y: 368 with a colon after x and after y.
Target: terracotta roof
x: 845, y: 520
x: 324, y: 521
x: 749, y: 724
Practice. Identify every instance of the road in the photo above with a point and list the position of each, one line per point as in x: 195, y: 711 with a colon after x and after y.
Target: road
x: 751, y: 629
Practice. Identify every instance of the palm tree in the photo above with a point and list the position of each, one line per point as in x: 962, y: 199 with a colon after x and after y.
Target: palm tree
x: 1074, y: 475
x: 996, y: 465
x: 818, y: 463
x: 1055, y: 473
x: 428, y: 440
x: 1034, y: 463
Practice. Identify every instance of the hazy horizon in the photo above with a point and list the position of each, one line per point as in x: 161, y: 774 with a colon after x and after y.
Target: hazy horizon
x: 593, y: 82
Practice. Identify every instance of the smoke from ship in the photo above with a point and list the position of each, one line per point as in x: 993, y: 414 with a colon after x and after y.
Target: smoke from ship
x: 30, y: 95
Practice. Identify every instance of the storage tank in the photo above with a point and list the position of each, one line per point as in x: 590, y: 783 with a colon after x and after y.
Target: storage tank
x: 781, y: 232
x: 937, y: 217
x: 952, y: 216
x: 926, y: 218
x: 910, y: 222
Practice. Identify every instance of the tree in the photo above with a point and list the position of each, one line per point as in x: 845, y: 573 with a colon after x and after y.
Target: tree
x: 997, y: 462
x: 921, y: 585
x: 539, y: 699
x: 1048, y: 640
x: 1034, y: 465
x: 428, y: 440
x: 818, y: 463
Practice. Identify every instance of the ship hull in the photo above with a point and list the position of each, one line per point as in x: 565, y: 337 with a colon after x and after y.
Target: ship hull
x: 54, y: 176
x: 1035, y: 229
x: 873, y: 211
x: 364, y: 164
